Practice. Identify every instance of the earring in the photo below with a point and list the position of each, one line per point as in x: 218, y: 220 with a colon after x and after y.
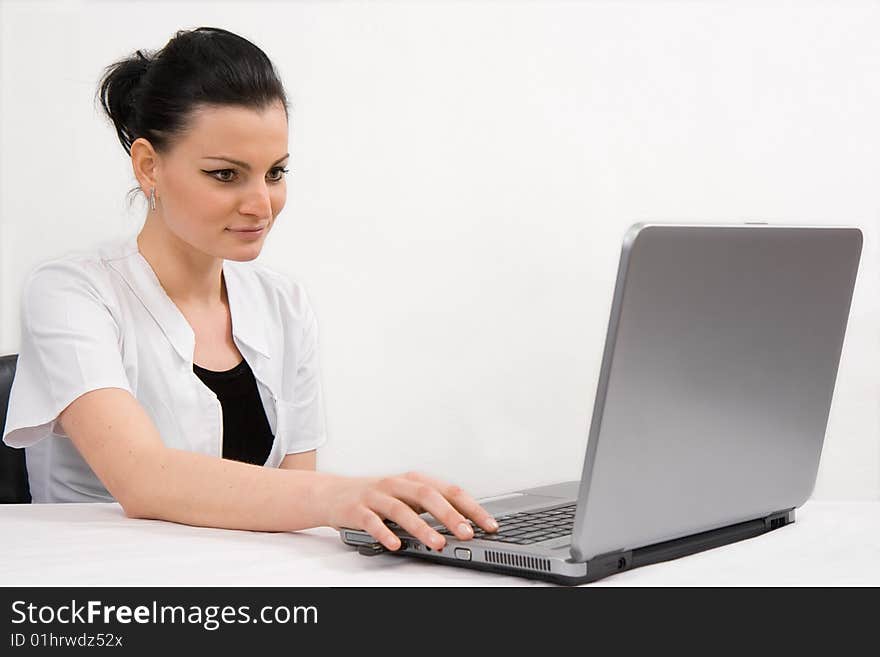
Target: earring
x: 153, y: 198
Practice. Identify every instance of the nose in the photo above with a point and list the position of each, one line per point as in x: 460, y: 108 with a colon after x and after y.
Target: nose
x: 258, y: 202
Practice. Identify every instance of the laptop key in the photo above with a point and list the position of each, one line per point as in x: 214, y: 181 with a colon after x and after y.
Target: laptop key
x: 535, y: 534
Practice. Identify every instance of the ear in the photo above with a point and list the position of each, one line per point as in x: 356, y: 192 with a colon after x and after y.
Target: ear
x: 145, y: 163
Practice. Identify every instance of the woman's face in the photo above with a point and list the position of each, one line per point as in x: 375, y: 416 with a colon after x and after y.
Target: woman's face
x: 225, y: 176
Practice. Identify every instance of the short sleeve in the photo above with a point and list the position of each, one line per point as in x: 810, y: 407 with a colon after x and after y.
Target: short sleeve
x: 305, y: 425
x: 70, y: 345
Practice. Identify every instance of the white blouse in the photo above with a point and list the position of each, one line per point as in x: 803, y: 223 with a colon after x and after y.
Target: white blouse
x: 102, y: 320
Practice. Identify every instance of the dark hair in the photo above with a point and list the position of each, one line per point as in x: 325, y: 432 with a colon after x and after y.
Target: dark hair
x: 154, y: 95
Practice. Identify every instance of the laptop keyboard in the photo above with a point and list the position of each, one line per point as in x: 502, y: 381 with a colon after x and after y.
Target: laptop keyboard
x: 528, y: 527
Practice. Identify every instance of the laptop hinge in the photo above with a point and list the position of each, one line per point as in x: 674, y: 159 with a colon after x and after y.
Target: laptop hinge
x: 609, y: 563
x: 779, y: 519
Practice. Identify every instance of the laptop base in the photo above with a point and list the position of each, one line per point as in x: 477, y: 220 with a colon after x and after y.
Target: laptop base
x: 611, y: 563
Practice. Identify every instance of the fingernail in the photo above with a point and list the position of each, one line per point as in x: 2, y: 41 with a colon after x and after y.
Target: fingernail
x: 465, y: 528
x: 493, y: 524
x: 437, y: 541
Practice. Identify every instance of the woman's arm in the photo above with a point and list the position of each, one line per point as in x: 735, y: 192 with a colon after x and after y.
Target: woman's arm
x: 121, y: 444
x: 119, y: 441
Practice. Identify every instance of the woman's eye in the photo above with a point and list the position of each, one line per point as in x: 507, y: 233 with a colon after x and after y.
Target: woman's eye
x: 281, y: 171
x: 220, y: 174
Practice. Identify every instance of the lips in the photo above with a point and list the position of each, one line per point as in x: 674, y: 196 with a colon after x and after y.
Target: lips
x: 247, y: 234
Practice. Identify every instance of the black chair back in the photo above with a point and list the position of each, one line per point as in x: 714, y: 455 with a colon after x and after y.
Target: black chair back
x: 14, y: 487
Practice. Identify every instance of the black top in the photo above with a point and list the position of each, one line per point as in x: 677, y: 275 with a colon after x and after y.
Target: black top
x: 247, y: 435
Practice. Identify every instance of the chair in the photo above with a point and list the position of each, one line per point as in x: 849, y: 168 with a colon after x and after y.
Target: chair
x: 14, y: 487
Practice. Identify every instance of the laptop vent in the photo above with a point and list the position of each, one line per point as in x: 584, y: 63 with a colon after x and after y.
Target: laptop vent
x: 517, y: 560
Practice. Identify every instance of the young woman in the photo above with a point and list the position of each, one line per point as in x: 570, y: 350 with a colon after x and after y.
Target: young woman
x: 170, y: 373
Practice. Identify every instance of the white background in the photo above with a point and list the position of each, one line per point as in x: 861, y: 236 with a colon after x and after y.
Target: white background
x: 462, y: 175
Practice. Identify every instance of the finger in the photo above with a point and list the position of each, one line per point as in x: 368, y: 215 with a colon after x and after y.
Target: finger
x: 424, y: 495
x: 400, y: 512
x: 373, y: 524
x: 461, y: 500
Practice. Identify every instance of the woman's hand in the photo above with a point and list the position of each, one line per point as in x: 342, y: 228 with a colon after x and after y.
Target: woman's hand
x: 363, y: 503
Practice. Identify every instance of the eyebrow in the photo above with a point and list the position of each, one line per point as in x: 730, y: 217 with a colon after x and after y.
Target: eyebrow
x: 243, y: 165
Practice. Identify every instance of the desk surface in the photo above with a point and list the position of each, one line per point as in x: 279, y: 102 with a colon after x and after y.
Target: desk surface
x: 830, y: 544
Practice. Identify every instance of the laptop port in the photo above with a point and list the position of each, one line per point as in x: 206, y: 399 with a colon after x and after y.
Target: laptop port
x: 463, y: 554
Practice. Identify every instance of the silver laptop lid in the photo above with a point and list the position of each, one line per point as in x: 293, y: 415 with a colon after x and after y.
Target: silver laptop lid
x: 716, y: 381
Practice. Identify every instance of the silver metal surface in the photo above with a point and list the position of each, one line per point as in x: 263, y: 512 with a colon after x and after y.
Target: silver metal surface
x: 716, y: 382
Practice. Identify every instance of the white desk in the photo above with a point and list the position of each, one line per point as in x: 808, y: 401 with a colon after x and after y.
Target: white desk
x: 831, y: 543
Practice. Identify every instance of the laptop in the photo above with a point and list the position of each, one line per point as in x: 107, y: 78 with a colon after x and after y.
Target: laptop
x: 710, y: 413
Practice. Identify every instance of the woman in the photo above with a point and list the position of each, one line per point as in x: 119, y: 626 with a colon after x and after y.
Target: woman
x: 168, y: 372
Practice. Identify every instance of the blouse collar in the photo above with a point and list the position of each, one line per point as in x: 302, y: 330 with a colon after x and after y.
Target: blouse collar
x: 248, y: 327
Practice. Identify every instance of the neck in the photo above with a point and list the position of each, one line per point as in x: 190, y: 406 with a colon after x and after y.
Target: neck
x: 189, y: 277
